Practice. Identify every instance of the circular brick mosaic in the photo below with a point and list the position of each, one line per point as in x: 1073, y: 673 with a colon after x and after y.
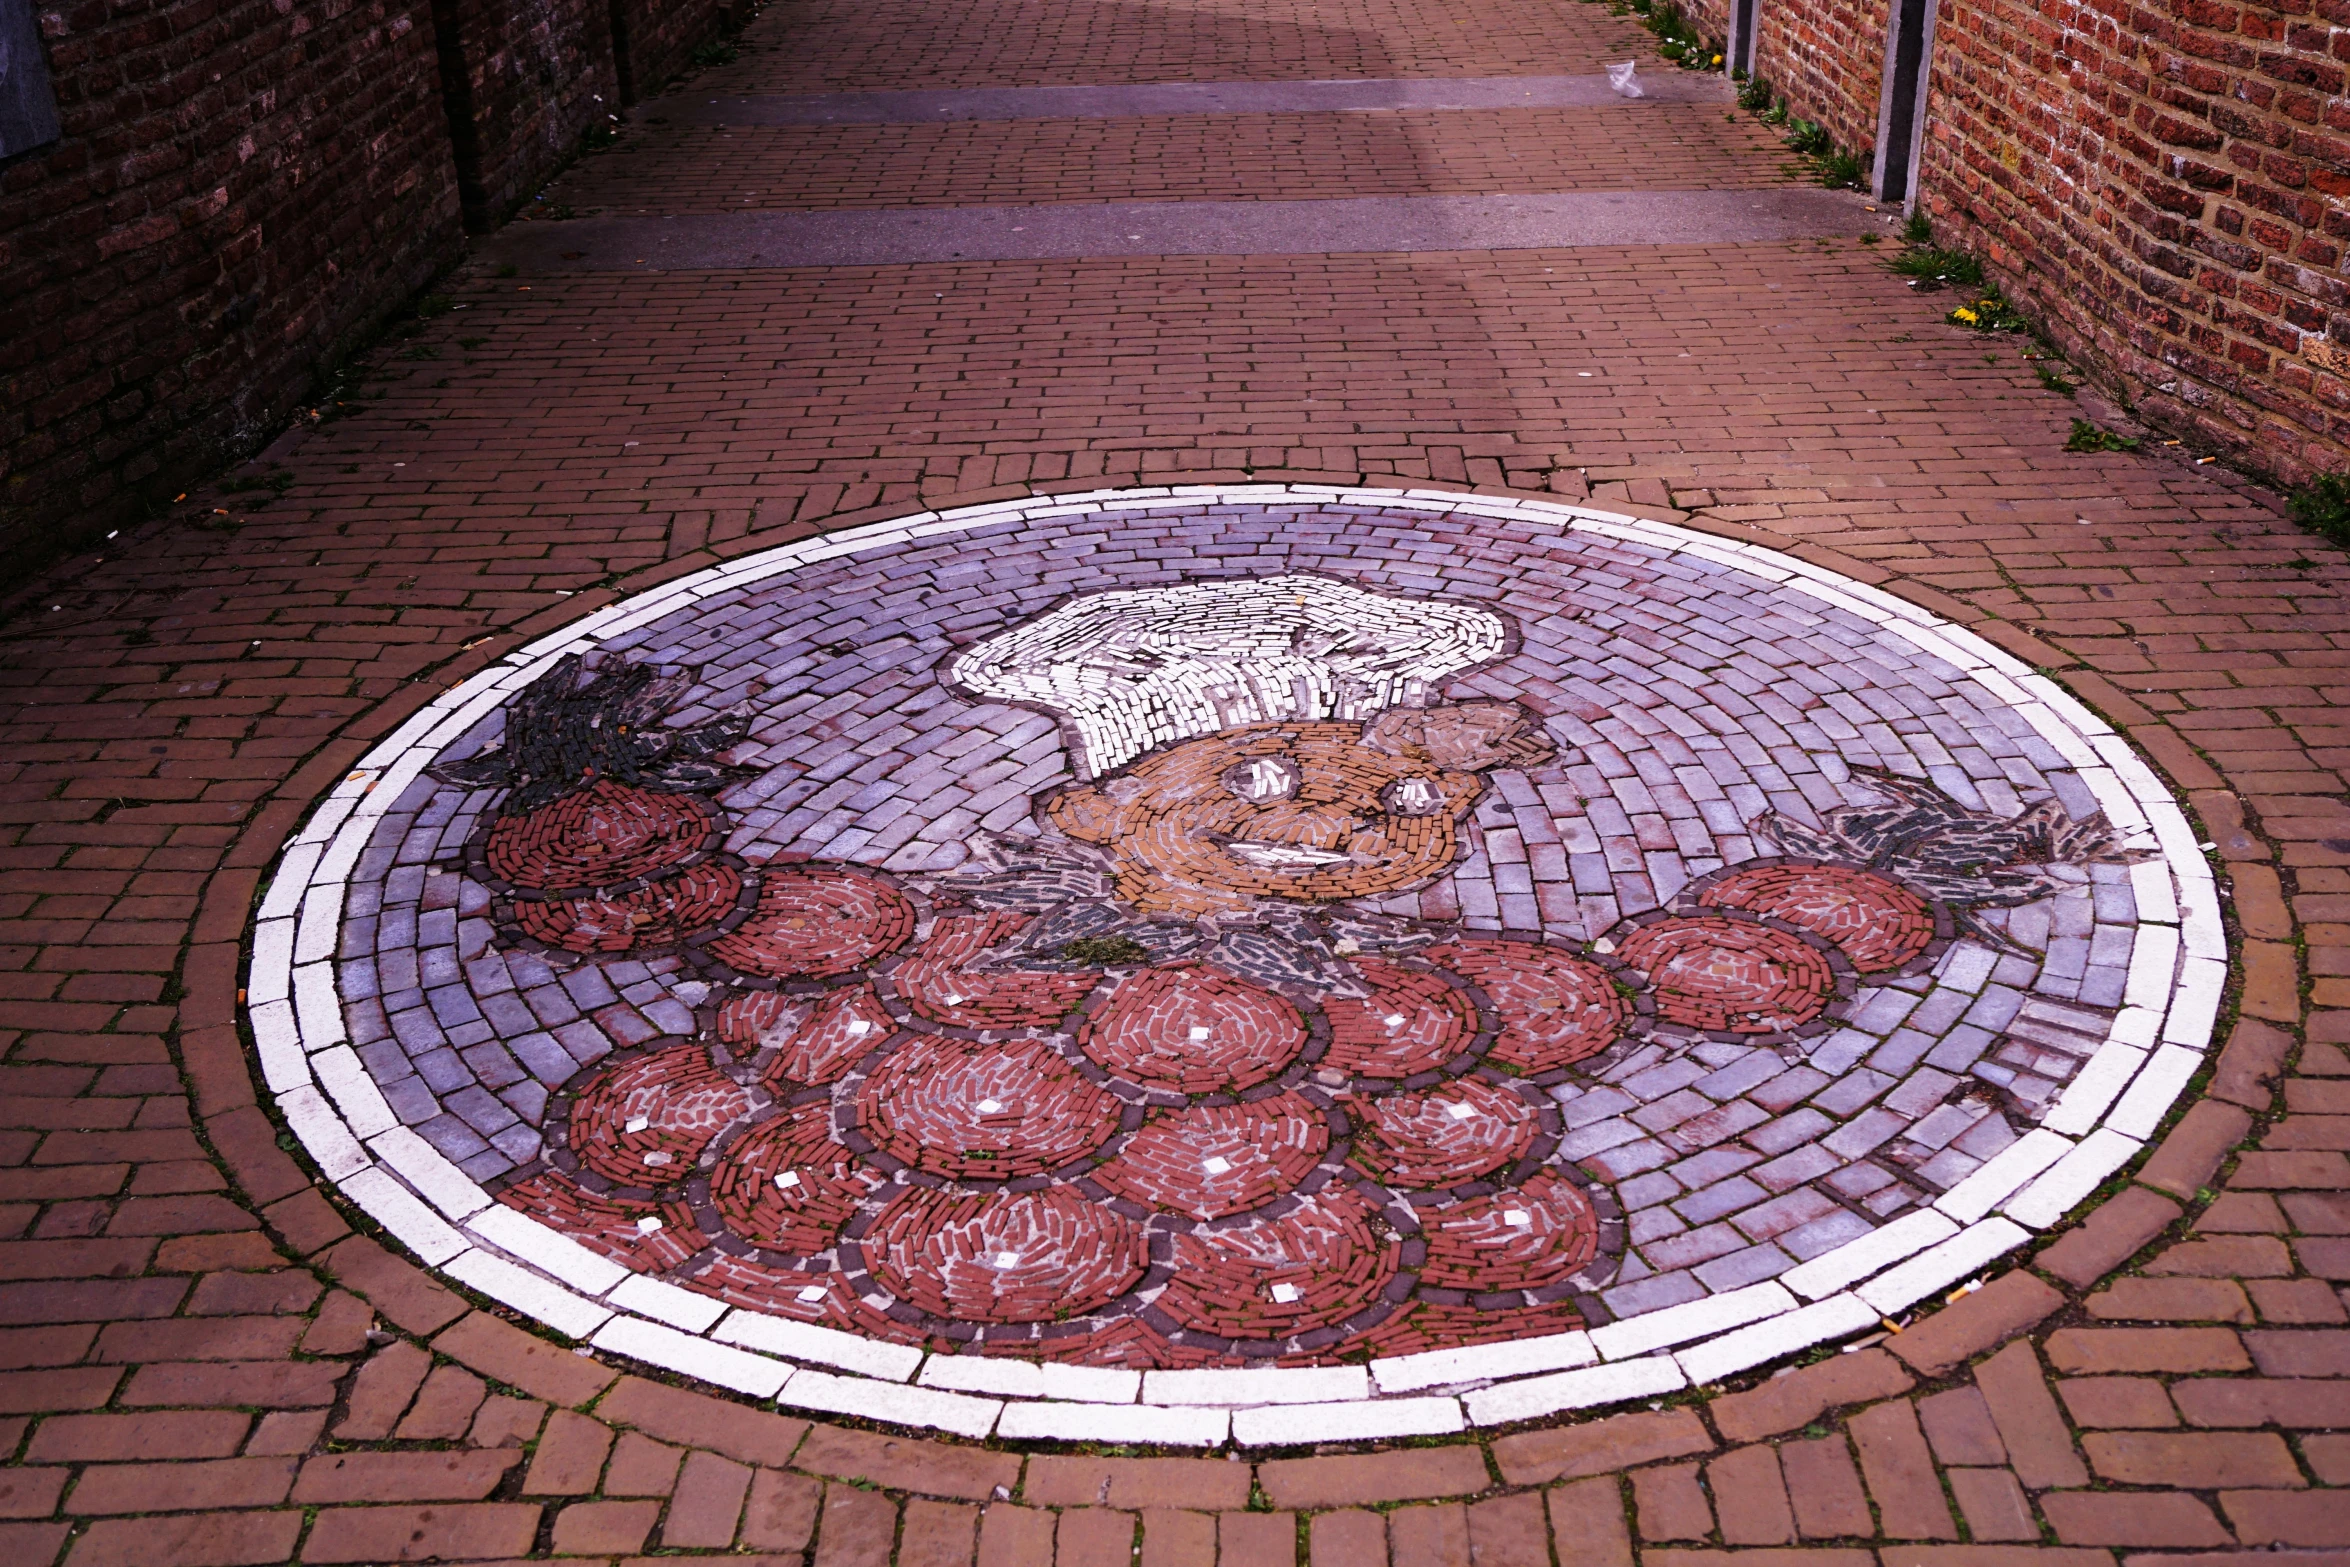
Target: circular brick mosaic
x: 1246, y: 933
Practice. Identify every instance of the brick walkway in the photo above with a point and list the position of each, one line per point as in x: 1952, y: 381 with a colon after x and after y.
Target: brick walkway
x: 207, y: 1363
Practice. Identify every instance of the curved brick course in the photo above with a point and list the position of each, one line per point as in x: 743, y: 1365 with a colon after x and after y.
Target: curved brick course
x: 211, y: 1359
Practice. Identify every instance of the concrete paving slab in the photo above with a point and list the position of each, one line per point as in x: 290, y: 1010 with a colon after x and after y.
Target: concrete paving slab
x: 1386, y: 225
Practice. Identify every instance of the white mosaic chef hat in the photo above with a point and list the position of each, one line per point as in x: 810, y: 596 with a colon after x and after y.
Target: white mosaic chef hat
x: 1138, y: 668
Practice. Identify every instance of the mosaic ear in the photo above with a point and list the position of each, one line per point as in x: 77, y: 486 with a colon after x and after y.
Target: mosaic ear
x: 1463, y: 736
x: 1084, y: 813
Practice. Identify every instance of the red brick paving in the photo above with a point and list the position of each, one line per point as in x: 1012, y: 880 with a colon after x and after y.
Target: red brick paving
x: 193, y: 691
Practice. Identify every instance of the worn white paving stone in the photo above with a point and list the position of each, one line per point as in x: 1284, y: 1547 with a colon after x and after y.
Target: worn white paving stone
x: 696, y: 1356
x: 1856, y: 1259
x: 535, y: 1296
x: 1971, y: 1249
x: 2152, y: 890
x: 1270, y: 1385
x: 1305, y: 1425
x: 1483, y: 1362
x: 2194, y: 1007
x: 2081, y: 1103
x: 2154, y: 1090
x: 330, y: 1143
x: 667, y: 1303
x: 894, y: 1402
x: 400, y: 1211
x: 1122, y: 1424
x: 2003, y: 1173
x: 1530, y: 1398
x: 318, y: 1008
x: 420, y: 1164
x: 2154, y: 958
x: 289, y: 881
x: 1049, y: 1379
x: 2071, y: 1178
x: 270, y: 977
x: 353, y: 1091
x: 566, y: 1259
x: 278, y: 1043
x: 321, y: 919
x: 1839, y: 1316
x: 826, y: 1346
x: 1692, y: 1319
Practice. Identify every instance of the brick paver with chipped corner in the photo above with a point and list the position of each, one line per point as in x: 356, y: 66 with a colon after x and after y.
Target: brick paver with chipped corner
x: 1620, y: 982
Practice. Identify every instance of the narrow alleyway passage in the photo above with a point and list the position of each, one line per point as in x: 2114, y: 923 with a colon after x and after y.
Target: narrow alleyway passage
x: 901, y: 256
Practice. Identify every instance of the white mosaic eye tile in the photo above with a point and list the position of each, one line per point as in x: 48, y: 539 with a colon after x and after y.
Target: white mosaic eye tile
x: 1110, y: 926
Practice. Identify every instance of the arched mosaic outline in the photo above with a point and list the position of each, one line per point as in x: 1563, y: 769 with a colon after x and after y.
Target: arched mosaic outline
x: 2155, y: 1045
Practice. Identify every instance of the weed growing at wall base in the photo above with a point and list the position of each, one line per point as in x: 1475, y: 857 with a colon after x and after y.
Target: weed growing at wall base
x: 2323, y: 506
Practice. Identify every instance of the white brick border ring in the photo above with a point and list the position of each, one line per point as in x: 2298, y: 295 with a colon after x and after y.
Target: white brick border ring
x: 2157, y: 1042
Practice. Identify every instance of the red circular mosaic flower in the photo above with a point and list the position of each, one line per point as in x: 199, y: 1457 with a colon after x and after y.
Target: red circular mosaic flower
x: 787, y: 1185
x: 1734, y: 975
x: 984, y: 1112
x: 686, y: 904
x: 1411, y: 1022
x: 1879, y: 923
x: 598, y: 836
x: 1314, y: 1266
x: 1211, y: 1160
x: 816, y: 1038
x: 645, y: 1121
x: 1195, y: 1029
x: 1455, y: 1133
x: 1006, y: 1257
x: 1555, y: 1009
x: 935, y: 984
x: 1522, y: 1239
x: 815, y: 922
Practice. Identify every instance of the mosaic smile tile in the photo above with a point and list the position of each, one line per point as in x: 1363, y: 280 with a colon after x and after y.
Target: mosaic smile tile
x: 1271, y: 928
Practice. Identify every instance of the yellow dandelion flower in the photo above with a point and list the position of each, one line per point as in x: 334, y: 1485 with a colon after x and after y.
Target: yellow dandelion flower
x: 1962, y: 313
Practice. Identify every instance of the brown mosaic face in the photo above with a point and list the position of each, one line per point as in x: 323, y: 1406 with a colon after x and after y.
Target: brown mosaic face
x: 1308, y: 811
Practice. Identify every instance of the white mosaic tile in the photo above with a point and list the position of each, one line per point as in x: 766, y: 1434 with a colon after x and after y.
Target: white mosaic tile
x: 1306, y: 1425
x: 695, y: 1356
x: 323, y: 1135
x: 1971, y: 1249
x: 2154, y: 1090
x: 356, y: 1097
x: 2004, y: 1173
x: 419, y: 1164
x: 2048, y: 1199
x: 397, y: 1209
x: 1821, y: 1322
x: 1271, y: 1385
x: 1697, y: 1319
x: 898, y: 1404
x: 667, y: 1303
x: 542, y: 1248
x: 1482, y: 1362
x: 1139, y: 1425
x: 1855, y: 1260
x: 824, y: 1346
x: 1531, y: 1398
x: 535, y: 1296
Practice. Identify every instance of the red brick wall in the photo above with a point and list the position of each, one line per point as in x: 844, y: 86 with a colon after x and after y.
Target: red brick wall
x: 2167, y: 190
x: 525, y: 79
x: 659, y: 36
x: 242, y: 187
x: 2173, y: 202
x: 1827, y: 58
